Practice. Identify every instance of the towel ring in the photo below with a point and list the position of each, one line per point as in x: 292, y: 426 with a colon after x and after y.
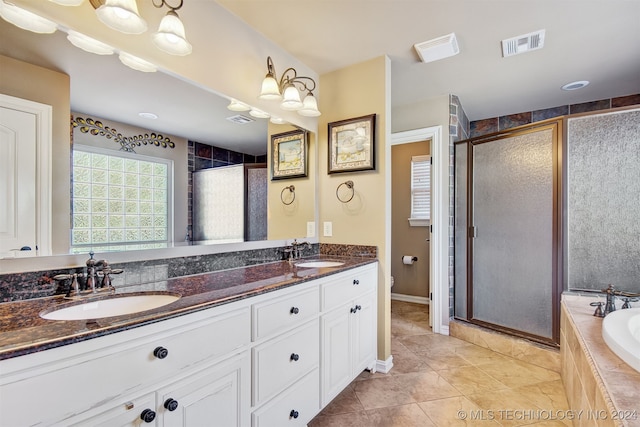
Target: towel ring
x: 349, y: 185
x: 292, y: 189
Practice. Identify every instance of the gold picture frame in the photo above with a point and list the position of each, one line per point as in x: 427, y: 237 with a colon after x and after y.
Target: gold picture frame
x: 352, y: 144
x: 289, y: 155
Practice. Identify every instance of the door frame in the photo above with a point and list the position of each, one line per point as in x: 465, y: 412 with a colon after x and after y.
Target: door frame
x: 439, y: 251
x: 44, y: 128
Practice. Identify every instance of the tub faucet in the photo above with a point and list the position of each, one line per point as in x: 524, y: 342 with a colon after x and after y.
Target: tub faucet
x: 611, y: 292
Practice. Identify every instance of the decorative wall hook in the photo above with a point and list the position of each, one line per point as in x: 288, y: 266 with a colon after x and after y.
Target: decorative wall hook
x: 349, y: 185
x: 292, y: 190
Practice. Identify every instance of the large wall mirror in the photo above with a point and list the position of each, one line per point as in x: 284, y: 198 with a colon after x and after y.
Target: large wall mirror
x: 103, y: 88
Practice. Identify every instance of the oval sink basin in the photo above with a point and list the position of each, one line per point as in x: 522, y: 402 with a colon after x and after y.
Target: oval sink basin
x: 115, y: 305
x: 319, y: 264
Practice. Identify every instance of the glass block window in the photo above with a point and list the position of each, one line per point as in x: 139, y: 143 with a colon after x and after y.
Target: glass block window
x: 420, y: 190
x: 120, y: 200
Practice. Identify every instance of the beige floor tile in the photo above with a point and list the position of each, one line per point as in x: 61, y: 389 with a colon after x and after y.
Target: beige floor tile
x: 447, y: 359
x: 456, y: 412
x: 408, y: 362
x: 402, y: 326
x: 470, y: 380
x: 381, y: 392
x: 345, y: 402
x: 399, y: 416
x: 515, y: 373
x: 479, y: 355
x: 425, y: 386
x: 353, y: 419
x: 548, y: 396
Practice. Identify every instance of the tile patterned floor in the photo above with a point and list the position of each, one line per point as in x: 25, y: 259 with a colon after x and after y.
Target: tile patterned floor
x: 441, y: 381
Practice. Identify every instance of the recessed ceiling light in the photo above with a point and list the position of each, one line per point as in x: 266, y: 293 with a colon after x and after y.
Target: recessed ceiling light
x: 149, y: 116
x: 575, y: 85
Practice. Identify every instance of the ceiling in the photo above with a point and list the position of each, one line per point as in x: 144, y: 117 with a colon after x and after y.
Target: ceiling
x: 592, y: 40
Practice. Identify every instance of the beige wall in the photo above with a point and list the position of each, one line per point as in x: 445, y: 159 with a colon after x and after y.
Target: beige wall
x: 406, y: 240
x: 356, y: 91
x: 41, y: 85
x: 178, y: 155
x: 289, y: 221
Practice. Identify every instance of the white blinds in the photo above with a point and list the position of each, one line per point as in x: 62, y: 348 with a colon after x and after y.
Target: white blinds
x: 421, y: 187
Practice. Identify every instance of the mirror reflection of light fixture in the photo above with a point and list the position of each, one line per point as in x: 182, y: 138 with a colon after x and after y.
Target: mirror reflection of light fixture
x: 26, y: 20
x: 285, y: 89
x: 259, y: 114
x: 136, y: 63
x: 89, y: 44
x: 236, y: 105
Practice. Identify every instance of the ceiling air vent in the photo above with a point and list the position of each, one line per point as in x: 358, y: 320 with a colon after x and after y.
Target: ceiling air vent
x: 523, y: 43
x: 439, y: 48
x: 240, y: 119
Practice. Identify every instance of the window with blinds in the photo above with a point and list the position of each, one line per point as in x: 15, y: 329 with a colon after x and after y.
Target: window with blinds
x: 420, y: 191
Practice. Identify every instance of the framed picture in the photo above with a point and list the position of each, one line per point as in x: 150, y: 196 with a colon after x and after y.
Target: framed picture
x: 289, y: 155
x: 352, y: 144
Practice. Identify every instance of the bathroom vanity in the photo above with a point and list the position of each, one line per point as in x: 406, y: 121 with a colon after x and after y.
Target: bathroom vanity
x: 271, y: 351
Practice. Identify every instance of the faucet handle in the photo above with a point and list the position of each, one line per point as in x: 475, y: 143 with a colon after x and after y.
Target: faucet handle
x: 598, y: 312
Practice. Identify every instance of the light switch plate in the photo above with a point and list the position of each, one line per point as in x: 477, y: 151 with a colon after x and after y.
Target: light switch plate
x: 311, y: 229
x: 327, y: 228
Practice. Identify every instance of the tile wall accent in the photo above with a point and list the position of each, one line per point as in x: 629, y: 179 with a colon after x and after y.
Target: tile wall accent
x: 203, y: 156
x: 508, y: 345
x: 38, y: 284
x: 459, y: 129
x: 595, y: 379
x: 496, y: 124
x: 361, y: 251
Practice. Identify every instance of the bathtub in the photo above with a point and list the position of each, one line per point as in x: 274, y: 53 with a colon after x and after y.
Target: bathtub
x: 621, y: 332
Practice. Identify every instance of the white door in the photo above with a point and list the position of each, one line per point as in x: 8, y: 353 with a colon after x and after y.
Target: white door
x: 17, y: 181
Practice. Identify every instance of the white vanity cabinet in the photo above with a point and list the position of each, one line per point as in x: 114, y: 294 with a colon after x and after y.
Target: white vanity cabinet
x: 270, y: 360
x: 348, y: 329
x: 113, y: 379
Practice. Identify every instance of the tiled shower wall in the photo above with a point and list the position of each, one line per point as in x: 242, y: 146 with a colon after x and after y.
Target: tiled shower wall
x: 203, y: 156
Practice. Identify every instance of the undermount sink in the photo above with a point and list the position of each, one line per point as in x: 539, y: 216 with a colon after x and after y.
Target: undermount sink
x: 113, y: 305
x: 319, y: 264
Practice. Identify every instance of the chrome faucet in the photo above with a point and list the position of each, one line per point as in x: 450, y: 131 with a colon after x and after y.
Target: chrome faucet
x: 294, y: 249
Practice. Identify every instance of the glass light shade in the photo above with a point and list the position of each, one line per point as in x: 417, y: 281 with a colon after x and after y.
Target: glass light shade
x: 137, y: 63
x: 309, y: 106
x: 68, y: 2
x: 236, y: 105
x: 291, y: 98
x: 26, y: 20
x: 89, y: 44
x: 122, y: 15
x: 259, y: 114
x: 270, y: 89
x: 171, y: 37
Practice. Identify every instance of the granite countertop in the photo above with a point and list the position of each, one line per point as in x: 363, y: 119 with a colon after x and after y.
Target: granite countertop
x: 24, y: 331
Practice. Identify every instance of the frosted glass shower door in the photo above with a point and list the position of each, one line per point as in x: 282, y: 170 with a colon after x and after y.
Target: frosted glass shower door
x: 512, y: 234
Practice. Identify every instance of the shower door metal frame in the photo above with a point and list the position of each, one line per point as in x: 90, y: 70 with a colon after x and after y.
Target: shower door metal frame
x: 556, y: 125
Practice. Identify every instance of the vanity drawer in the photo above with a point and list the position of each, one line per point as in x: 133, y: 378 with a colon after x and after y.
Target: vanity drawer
x: 295, y: 407
x: 348, y: 287
x: 279, y: 314
x: 281, y: 361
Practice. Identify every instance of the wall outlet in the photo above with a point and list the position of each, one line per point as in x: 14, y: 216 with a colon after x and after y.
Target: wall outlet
x: 311, y: 229
x: 327, y: 227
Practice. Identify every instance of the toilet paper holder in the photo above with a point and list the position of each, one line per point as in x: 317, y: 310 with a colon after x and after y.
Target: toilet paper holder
x: 414, y: 258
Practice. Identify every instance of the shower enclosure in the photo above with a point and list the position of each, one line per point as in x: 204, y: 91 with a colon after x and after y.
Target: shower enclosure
x: 507, y: 231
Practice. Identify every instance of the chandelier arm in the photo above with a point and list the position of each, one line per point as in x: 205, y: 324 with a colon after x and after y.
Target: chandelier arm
x: 161, y: 3
x: 296, y: 79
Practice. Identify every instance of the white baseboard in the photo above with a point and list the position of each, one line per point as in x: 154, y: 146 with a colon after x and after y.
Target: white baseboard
x: 384, y: 366
x: 444, y: 330
x: 410, y: 298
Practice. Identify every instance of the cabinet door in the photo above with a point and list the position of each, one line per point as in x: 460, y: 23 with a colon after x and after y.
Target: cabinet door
x: 218, y: 395
x: 336, y: 352
x: 363, y: 334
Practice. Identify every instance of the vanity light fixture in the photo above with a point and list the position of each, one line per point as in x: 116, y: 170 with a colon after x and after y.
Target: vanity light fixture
x: 259, y: 114
x: 170, y: 36
x: 286, y: 91
x: 26, y: 20
x: 122, y: 15
x: 68, y: 2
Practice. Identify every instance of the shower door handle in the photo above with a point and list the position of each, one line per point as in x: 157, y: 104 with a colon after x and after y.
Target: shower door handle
x: 473, y: 232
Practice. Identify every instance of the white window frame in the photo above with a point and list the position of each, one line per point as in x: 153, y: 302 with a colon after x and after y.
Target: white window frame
x: 140, y: 157
x: 419, y: 219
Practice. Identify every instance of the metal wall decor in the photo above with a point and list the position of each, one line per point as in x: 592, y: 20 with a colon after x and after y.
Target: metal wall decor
x: 127, y: 143
x: 352, y: 144
x: 289, y: 155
